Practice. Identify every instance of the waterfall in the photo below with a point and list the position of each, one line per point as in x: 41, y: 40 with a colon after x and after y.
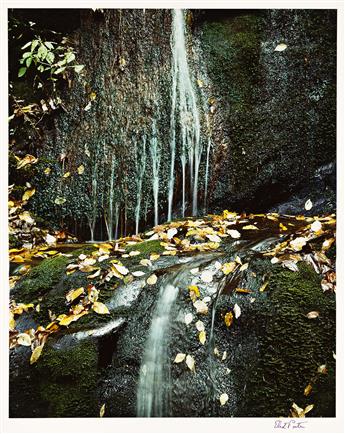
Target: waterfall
x: 153, y: 391
x: 92, y: 217
x: 184, y: 108
x: 155, y: 157
x: 141, y: 158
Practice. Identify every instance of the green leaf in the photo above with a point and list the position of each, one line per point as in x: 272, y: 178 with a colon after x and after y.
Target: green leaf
x: 26, y: 54
x: 50, y: 57
x: 49, y: 45
x: 34, y: 44
x: 21, y: 71
x: 28, y: 62
x: 42, y: 51
x: 70, y: 57
x: 59, y: 70
x: 40, y: 68
x: 78, y: 68
x: 26, y: 45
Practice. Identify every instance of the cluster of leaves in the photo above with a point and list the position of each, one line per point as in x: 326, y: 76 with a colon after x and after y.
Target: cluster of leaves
x: 48, y: 56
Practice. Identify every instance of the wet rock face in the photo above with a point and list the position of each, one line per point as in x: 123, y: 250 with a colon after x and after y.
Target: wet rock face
x: 275, y: 120
x: 263, y: 362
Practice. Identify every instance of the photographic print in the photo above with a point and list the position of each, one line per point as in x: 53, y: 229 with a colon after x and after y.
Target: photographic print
x: 172, y: 213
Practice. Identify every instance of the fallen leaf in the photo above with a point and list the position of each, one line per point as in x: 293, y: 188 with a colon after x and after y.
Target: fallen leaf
x: 102, y: 411
x: 316, y: 226
x: 171, y: 233
x: 179, y: 358
x: 138, y: 273
x: 224, y: 355
x: 250, y: 227
x: 74, y: 293
x: 297, y: 411
x: 308, y: 390
x: 152, y: 280
x: 36, y: 354
x: 228, y: 319
x: 280, y: 47
x: 237, y: 311
x: 234, y: 233
x: 322, y: 369
x: 100, y: 308
x: 202, y: 337
x: 154, y: 257
x: 308, y: 205
x: 194, y: 292
x: 28, y: 194
x: 121, y: 269
x: 59, y: 200
x: 201, y: 307
x: 81, y: 169
x: 244, y: 267
x: 47, y: 171
x: 24, y: 339
x: 188, y: 318
x: 134, y: 253
x: 190, y: 362
x: 228, y: 267
x: 28, y: 159
x: 223, y: 399
x: 145, y: 262
x: 66, y: 175
x: 95, y: 274
x: 298, y: 243
x: 313, y: 314
x: 200, y: 326
x: 263, y: 286
x: 206, y: 276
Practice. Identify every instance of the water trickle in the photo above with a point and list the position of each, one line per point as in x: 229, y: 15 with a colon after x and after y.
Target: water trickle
x: 141, y: 165
x: 156, y: 158
x: 153, y: 388
x: 184, y: 110
x: 92, y: 217
x: 109, y: 216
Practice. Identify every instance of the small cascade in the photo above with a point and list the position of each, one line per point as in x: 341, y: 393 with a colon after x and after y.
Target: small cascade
x: 141, y: 165
x: 184, y: 117
x: 109, y: 216
x: 92, y: 217
x: 153, y: 391
x: 155, y: 157
x: 207, y: 168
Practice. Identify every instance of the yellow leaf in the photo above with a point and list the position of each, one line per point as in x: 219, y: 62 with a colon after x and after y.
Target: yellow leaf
x: 47, y: 170
x: 154, y: 257
x: 59, y: 200
x: 24, y: 339
x: 282, y: 227
x: 313, y: 314
x: 17, y: 259
x: 28, y: 194
x: 243, y: 290
x: 228, y: 319
x: 81, y: 170
x: 12, y: 323
x: 202, y: 337
x: 244, y: 267
x: 74, y: 293
x: 223, y: 399
x: 100, y: 308
x: 102, y: 411
x: 250, y: 227
x: 308, y: 390
x: 179, y: 358
x: 190, y: 362
x: 234, y: 233
x: 92, y: 96
x: 228, y: 267
x: 67, y: 174
x: 201, y: 307
x: 28, y: 159
x: 36, y: 354
x: 264, y: 286
x: 67, y: 319
x: 194, y: 292
x: 322, y: 369
x: 152, y: 279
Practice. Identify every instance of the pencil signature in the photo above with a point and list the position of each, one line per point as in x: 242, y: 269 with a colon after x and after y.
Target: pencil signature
x: 291, y: 424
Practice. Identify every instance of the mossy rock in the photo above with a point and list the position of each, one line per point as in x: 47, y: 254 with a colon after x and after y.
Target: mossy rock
x: 40, y: 279
x: 68, y: 378
x: 291, y: 348
x: 147, y: 247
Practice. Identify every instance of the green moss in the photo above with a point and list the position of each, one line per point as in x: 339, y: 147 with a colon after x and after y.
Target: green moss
x: 40, y: 279
x: 292, y: 347
x: 147, y: 247
x: 68, y: 379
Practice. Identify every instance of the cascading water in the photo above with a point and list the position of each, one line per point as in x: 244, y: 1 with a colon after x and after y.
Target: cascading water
x: 153, y: 390
x: 156, y: 158
x: 141, y: 165
x: 184, y: 108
